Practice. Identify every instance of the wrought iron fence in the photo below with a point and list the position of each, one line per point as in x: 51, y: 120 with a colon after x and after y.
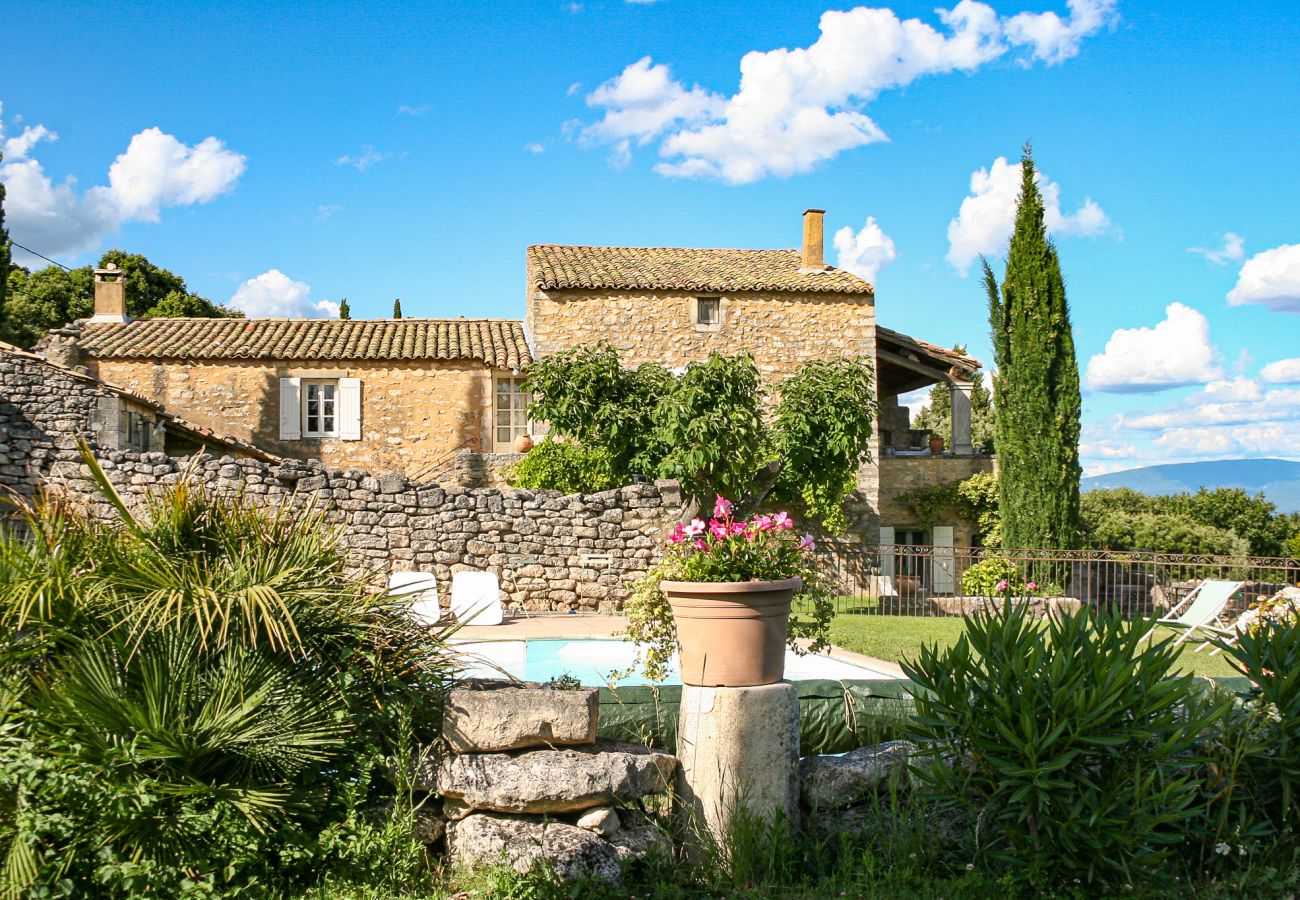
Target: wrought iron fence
x: 921, y: 580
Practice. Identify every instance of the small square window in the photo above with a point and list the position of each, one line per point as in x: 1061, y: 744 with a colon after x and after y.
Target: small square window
x: 708, y: 311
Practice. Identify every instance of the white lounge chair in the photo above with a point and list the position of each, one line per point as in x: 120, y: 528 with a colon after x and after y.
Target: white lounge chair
x: 476, y: 598
x: 422, y: 589
x: 1200, y: 608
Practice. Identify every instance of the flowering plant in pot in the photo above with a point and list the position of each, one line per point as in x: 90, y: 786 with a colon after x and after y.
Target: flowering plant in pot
x: 722, y: 595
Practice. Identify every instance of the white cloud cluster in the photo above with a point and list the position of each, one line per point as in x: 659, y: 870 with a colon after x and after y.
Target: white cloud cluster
x: 987, y: 215
x: 865, y: 252
x: 1175, y: 352
x: 366, y: 159
x: 1233, y: 250
x: 1271, y: 279
x: 155, y: 171
x: 798, y: 107
x: 1283, y: 371
x: 274, y: 294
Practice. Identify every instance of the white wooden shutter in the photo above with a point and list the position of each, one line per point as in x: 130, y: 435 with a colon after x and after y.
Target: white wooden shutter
x: 350, y: 409
x: 944, y: 581
x: 290, y: 409
x: 887, y: 551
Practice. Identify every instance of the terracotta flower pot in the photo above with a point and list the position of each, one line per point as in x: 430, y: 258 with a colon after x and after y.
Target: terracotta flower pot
x: 523, y: 443
x: 733, y: 633
x: 936, y: 445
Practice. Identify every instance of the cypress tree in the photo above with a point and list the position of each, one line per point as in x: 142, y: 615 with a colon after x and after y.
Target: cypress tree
x: 1036, y: 391
x: 4, y: 250
x: 345, y: 311
x: 397, y: 308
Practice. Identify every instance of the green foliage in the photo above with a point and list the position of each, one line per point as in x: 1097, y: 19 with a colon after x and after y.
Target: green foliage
x: 710, y: 426
x: 937, y: 413
x: 706, y: 427
x: 974, y: 499
x: 397, y: 309
x: 51, y: 297
x: 1115, y: 529
x: 5, y: 249
x: 984, y: 577
x: 190, y: 700
x: 566, y: 466
x: 823, y: 435
x: 1036, y: 393
x: 1067, y: 739
x: 1224, y: 521
x: 345, y: 311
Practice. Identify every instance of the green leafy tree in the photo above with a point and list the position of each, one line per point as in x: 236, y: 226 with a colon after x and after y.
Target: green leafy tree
x: 5, y: 252
x: 397, y: 308
x: 345, y: 311
x: 565, y: 466
x: 1036, y: 392
x: 937, y: 414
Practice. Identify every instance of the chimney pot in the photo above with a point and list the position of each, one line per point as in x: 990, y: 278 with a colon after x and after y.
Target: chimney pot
x: 110, y: 295
x: 813, y: 259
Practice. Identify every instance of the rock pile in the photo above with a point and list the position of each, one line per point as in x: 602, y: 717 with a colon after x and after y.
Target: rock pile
x: 527, y: 781
x: 840, y: 792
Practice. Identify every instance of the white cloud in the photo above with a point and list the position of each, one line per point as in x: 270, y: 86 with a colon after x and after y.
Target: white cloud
x: 534, y: 147
x: 1233, y: 250
x: 274, y: 294
x: 1283, y: 371
x: 364, y: 160
x: 155, y: 171
x: 1240, y: 401
x: 326, y: 210
x: 865, y: 252
x: 1271, y: 279
x: 408, y: 110
x: 1175, y: 352
x: 798, y: 107
x: 987, y: 215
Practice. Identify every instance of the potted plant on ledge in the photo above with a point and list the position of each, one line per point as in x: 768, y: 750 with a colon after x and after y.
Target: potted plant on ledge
x: 722, y: 596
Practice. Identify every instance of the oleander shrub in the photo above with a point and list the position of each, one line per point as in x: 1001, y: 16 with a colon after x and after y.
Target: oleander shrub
x: 1068, y: 742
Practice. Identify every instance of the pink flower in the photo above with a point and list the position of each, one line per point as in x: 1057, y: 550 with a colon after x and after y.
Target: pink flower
x: 700, y: 545
x: 721, y: 506
x: 807, y: 543
x: 737, y: 527
x: 1032, y: 586
x: 783, y: 521
x: 718, y: 529
x: 1001, y: 585
x: 678, y: 535
x: 695, y: 529
x: 763, y: 523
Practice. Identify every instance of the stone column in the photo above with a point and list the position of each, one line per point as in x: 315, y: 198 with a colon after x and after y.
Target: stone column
x: 738, y: 750
x: 960, y: 392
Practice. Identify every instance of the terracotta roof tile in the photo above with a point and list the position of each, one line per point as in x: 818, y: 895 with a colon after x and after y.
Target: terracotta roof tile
x: 558, y: 267
x: 499, y: 343
x: 939, y: 354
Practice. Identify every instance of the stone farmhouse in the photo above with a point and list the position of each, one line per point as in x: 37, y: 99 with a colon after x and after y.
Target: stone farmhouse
x: 446, y: 398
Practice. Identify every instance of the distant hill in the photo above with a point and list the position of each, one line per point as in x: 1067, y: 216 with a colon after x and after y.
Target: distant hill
x: 1276, y: 479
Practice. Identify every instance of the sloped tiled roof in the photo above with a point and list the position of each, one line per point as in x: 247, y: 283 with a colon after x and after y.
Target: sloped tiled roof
x: 499, y: 343
x: 559, y: 267
x: 939, y: 354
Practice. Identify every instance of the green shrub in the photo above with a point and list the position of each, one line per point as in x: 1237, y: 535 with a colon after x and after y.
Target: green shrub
x: 199, y: 700
x: 565, y: 466
x: 996, y: 576
x: 1118, y: 529
x: 1066, y: 739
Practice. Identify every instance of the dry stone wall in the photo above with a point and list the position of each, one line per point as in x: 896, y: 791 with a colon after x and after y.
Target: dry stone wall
x: 550, y: 551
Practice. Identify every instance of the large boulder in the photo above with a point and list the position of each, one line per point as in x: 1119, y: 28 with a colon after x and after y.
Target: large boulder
x: 639, y: 837
x: 554, y: 781
x: 490, y: 721
x: 485, y: 840
x: 835, y: 782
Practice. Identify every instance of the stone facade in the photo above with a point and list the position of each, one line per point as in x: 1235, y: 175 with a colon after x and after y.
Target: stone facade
x: 900, y: 474
x: 551, y: 552
x: 414, y: 416
x: 781, y: 329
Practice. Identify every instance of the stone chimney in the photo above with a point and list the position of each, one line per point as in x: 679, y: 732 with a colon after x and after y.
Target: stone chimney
x: 110, y: 295
x: 813, y: 258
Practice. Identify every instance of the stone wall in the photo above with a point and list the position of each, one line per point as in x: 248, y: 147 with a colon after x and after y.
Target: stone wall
x: 414, y: 416
x: 900, y: 474
x: 781, y: 329
x: 551, y: 551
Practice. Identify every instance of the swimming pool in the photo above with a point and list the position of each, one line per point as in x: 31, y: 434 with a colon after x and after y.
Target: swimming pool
x: 591, y: 660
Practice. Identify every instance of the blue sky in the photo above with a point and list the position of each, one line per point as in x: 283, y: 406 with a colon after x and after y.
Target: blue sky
x: 284, y: 159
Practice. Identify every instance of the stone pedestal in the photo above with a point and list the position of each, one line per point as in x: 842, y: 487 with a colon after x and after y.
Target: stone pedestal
x: 738, y: 749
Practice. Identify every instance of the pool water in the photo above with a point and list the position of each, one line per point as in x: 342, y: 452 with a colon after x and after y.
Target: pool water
x: 592, y: 661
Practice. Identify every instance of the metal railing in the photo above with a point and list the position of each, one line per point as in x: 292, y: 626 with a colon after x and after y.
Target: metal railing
x: 922, y: 580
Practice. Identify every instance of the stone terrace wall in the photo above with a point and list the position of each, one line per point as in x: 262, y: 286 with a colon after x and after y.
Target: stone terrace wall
x: 551, y: 551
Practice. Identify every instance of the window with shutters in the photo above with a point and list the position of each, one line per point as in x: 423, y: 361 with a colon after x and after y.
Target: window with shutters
x: 320, y: 408
x: 510, y: 412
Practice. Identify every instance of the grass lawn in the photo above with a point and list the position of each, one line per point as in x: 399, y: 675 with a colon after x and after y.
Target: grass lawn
x: 900, y: 637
